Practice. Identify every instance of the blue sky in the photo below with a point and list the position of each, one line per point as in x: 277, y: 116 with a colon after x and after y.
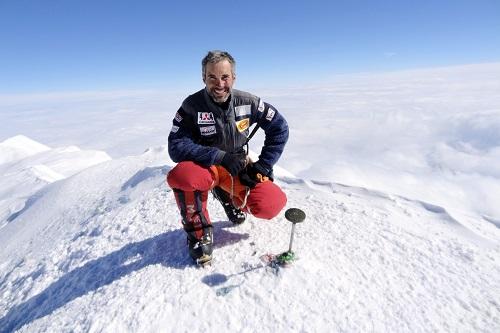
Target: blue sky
x: 69, y: 45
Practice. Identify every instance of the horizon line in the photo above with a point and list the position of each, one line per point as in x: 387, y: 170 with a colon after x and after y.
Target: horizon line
x: 162, y: 89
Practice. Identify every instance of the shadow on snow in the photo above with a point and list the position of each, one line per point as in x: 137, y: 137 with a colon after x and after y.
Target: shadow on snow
x: 168, y: 249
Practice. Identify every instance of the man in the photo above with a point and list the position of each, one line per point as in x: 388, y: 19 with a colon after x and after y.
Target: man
x: 207, y: 140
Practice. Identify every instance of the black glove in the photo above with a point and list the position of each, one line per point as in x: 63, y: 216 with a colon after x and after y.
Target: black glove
x: 234, y: 163
x: 246, y: 180
x: 249, y: 176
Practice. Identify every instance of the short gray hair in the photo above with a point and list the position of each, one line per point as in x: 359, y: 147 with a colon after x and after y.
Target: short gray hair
x: 216, y: 56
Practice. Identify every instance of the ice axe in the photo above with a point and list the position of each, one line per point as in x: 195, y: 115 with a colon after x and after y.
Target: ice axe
x: 294, y: 215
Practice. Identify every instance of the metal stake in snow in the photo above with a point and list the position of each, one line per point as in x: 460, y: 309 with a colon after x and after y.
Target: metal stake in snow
x: 294, y: 215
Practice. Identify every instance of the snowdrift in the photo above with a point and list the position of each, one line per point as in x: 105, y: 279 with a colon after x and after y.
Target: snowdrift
x: 27, y: 166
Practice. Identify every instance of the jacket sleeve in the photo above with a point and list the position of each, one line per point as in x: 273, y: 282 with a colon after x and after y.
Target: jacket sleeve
x: 276, y: 135
x: 182, y: 145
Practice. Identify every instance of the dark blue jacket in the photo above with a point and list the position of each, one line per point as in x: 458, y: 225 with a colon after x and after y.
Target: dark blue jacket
x: 203, y: 131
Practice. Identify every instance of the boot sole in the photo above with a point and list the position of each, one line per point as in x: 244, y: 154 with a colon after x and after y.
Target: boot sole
x: 204, y: 260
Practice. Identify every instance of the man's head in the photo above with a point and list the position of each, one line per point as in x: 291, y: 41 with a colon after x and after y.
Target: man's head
x: 218, y: 74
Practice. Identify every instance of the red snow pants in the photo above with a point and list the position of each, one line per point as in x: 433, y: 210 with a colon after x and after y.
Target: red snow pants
x: 191, y: 183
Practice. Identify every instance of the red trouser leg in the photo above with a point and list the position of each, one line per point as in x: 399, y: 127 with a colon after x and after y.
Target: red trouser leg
x: 264, y: 201
x: 191, y: 183
x: 193, y: 207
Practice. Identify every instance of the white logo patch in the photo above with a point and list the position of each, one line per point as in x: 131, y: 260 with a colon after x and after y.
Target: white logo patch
x: 174, y: 129
x: 270, y: 114
x: 205, y: 118
x: 208, y: 130
x: 261, y: 106
x: 243, y: 110
x: 178, y: 117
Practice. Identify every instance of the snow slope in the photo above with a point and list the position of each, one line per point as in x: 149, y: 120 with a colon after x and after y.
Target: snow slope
x: 103, y: 251
x: 27, y: 166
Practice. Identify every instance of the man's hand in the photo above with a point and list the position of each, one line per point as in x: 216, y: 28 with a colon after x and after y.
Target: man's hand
x: 252, y: 176
x: 234, y: 163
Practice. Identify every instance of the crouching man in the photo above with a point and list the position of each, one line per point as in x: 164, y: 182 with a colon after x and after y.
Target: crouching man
x: 208, y: 139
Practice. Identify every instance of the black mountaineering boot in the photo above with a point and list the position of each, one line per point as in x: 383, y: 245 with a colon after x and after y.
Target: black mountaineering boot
x: 234, y: 214
x: 201, y: 249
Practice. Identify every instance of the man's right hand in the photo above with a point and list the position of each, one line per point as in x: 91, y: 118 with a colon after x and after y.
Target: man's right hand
x: 234, y: 163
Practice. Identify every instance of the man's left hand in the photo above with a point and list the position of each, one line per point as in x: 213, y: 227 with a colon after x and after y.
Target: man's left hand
x: 251, y: 176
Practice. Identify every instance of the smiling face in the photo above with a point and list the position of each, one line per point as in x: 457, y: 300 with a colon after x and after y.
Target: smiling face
x: 219, y: 79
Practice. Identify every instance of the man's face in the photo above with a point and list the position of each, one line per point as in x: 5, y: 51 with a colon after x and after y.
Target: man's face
x: 219, y: 80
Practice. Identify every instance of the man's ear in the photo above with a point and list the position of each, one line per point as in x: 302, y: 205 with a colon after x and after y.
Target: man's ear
x: 203, y: 78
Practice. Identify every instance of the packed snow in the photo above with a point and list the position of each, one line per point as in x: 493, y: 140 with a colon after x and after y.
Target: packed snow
x: 28, y: 166
x: 398, y: 174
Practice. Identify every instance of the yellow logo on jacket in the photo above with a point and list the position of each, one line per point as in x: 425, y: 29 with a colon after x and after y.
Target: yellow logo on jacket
x: 243, y: 124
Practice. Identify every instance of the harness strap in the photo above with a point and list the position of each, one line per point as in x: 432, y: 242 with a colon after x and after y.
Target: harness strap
x: 199, y: 208
x: 257, y: 125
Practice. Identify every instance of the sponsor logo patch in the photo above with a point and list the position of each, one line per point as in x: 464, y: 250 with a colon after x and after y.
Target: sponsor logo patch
x: 243, y: 110
x: 208, y: 130
x: 178, y: 117
x: 270, y: 114
x: 205, y: 118
x: 243, y: 124
x: 174, y: 129
x: 261, y: 106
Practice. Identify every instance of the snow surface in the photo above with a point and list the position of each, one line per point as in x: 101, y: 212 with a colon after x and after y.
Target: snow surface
x: 398, y: 174
x: 28, y: 166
